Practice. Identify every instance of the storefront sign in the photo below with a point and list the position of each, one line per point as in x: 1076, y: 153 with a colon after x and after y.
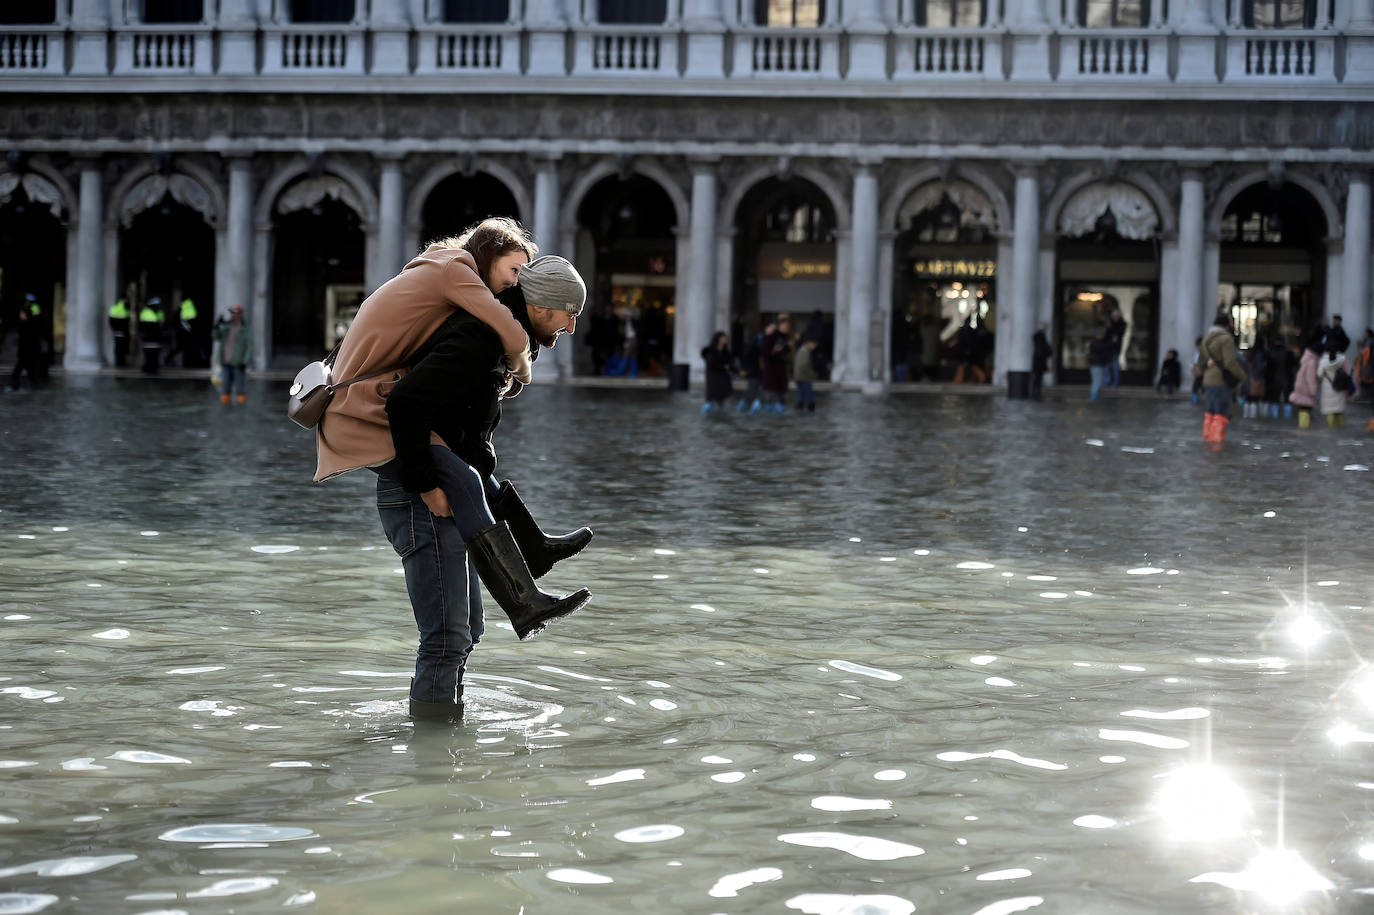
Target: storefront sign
x: 940, y: 267
x: 797, y: 262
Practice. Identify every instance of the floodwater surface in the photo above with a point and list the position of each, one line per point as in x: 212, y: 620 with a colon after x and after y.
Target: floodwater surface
x: 908, y: 654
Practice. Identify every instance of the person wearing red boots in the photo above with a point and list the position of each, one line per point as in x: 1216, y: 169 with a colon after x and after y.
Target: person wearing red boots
x: 1223, y: 374
x: 236, y: 351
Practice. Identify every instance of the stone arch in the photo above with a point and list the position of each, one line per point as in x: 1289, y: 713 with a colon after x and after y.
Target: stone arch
x: 144, y: 186
x: 441, y: 170
x: 1335, y: 225
x: 1078, y: 204
x: 567, y: 214
x: 359, y: 195
x: 913, y: 181
x: 40, y: 190
x: 745, y: 183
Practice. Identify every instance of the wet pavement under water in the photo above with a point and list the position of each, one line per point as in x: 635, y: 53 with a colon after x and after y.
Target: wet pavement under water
x: 935, y: 654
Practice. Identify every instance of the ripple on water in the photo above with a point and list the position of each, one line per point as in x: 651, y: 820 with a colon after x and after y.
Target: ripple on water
x: 148, y: 757
x: 963, y: 756
x: 834, y: 904
x: 236, y: 832
x: 24, y: 903
x: 867, y: 847
x: 65, y: 867
x: 864, y: 670
x: 660, y: 832
x: 1008, y: 906
x: 573, y: 875
x: 235, y: 887
x: 731, y: 884
x: 275, y: 548
x: 838, y: 803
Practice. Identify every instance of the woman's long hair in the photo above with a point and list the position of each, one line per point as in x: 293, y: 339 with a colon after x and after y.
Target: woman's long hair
x: 491, y: 238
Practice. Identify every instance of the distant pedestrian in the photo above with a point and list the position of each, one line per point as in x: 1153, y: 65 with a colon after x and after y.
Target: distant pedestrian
x: 1041, y: 351
x: 150, y: 318
x: 1335, y: 387
x: 30, y: 352
x: 774, y: 359
x: 751, y: 367
x: 1116, y: 333
x: 1305, y: 387
x: 1170, y: 374
x: 1364, y: 371
x: 1224, y: 372
x: 1256, y: 389
x: 1283, y: 365
x: 236, y: 351
x: 1099, y: 355
x: 970, y: 344
x: 719, y: 364
x: 1334, y: 337
x: 804, y: 374
x: 119, y: 329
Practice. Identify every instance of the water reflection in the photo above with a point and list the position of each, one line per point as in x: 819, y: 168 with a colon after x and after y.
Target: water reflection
x: 824, y: 671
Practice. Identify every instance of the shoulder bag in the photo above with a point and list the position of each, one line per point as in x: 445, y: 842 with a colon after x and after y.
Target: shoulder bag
x: 314, y: 388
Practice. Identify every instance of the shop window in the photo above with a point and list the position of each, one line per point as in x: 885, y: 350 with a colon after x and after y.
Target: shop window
x: 1279, y: 14
x: 789, y: 13
x: 33, y: 12
x: 323, y: 10
x: 941, y: 14
x: 632, y: 12
x: 1113, y: 14
x: 476, y: 10
x: 155, y: 11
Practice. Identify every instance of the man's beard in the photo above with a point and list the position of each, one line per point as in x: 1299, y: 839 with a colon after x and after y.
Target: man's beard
x: 546, y: 341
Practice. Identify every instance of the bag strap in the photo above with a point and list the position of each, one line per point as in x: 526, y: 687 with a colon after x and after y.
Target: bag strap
x: 356, y: 379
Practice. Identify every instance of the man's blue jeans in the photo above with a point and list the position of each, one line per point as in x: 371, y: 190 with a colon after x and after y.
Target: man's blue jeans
x: 442, y: 583
x: 1113, y: 375
x: 233, y: 378
x: 1097, y: 372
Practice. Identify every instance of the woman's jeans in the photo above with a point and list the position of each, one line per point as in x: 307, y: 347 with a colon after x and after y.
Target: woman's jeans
x: 442, y: 584
x: 1097, y: 372
x: 806, y: 395
x: 234, y: 377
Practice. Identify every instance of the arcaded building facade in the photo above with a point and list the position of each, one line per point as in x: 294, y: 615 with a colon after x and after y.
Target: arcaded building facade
x: 902, y: 167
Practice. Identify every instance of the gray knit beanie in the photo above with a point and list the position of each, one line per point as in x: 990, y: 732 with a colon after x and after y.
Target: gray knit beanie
x: 551, y: 282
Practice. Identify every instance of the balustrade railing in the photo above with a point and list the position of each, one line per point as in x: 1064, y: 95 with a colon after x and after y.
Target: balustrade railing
x: 942, y: 53
x: 30, y: 52
x: 1306, y: 56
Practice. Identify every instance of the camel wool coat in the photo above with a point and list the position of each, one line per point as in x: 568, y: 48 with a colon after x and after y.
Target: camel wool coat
x: 392, y: 324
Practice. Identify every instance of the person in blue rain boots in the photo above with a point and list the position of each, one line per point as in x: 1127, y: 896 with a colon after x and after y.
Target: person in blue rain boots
x: 720, y: 363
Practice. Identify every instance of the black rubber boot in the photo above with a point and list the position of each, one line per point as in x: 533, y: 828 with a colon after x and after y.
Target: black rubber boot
x: 539, y: 549
x: 502, y: 569
x: 446, y: 712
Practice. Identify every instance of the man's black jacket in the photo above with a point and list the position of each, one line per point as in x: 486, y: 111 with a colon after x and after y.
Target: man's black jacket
x: 453, y: 389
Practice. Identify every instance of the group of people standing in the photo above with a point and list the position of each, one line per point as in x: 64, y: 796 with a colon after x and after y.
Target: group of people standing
x: 157, y: 327
x: 765, y: 365
x: 1272, y: 379
x: 33, y: 351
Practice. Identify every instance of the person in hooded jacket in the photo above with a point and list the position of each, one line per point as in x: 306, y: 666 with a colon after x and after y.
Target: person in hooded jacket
x: 720, y: 364
x: 1306, y: 388
x: 1333, y: 396
x: 1224, y: 372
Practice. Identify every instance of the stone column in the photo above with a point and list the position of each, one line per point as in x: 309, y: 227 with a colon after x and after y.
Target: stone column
x: 85, y: 312
x: 238, y: 22
x: 90, y: 34
x: 702, y: 21
x: 391, y: 216
x: 260, y: 314
x: 696, y: 316
x: 1355, y: 288
x: 867, y: 40
x: 238, y: 265
x: 547, y: 22
x: 1196, y: 43
x: 1193, y: 307
x: 863, y: 275
x: 546, y: 215
x: 1030, y: 40
x: 1025, y: 280
x: 390, y: 27
x: 1359, y: 43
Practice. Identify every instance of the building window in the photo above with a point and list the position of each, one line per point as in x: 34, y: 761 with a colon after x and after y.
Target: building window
x: 632, y: 12
x: 35, y: 12
x: 476, y: 10
x: 789, y: 13
x: 322, y: 10
x: 940, y: 14
x: 1113, y: 14
x: 1279, y: 14
x: 173, y: 10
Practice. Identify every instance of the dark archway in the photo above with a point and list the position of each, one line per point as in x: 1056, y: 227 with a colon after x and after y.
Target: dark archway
x: 459, y: 201
x: 1273, y: 263
x: 944, y: 292
x: 627, y: 251
x: 785, y: 263
x: 168, y: 252
x: 318, y: 278
x: 33, y: 259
